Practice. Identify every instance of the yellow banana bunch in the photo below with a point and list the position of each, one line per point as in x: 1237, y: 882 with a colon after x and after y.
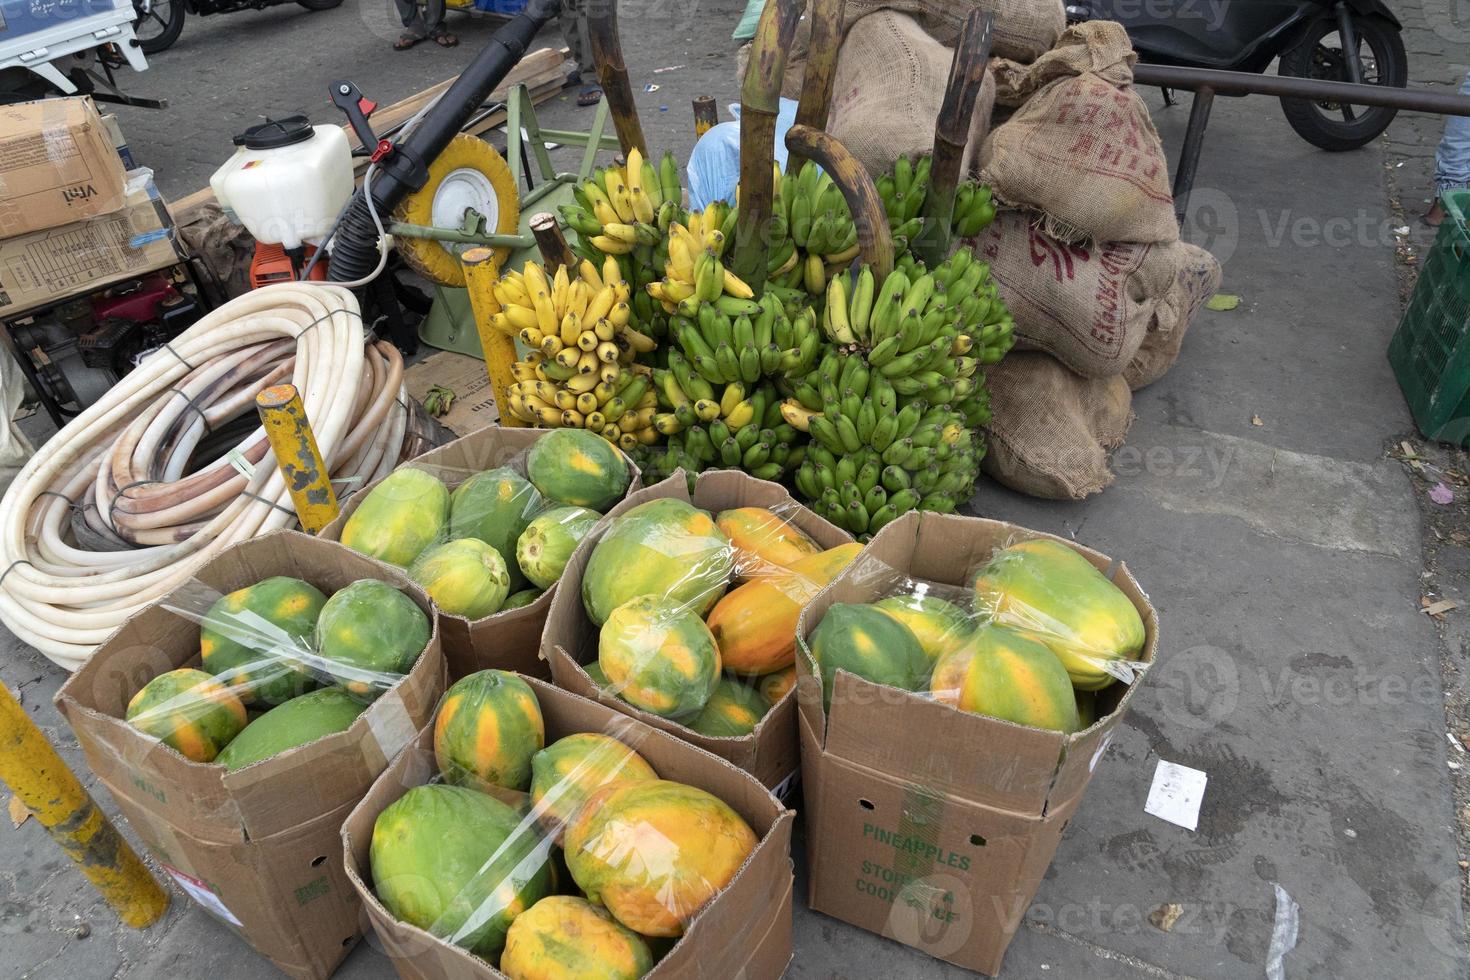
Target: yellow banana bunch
x: 695, y: 273
x: 577, y: 324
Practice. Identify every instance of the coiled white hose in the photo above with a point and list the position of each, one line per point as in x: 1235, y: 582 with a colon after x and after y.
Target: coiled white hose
x: 65, y: 600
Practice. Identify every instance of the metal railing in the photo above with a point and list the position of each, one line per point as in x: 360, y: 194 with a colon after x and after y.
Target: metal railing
x: 1206, y: 83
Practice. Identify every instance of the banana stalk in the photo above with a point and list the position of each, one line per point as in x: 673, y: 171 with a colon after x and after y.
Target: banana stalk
x: 555, y: 252
x: 612, y: 73
x: 821, y: 69
x: 874, y: 238
x: 760, y: 100
x: 952, y: 132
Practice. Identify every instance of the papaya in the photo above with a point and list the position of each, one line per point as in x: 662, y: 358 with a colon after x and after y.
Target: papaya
x: 563, y: 937
x: 653, y: 852
x: 547, y: 543
x: 1001, y: 673
x: 599, y: 676
x: 400, y: 517
x: 459, y: 864
x: 488, y: 729
x: 867, y: 642
x: 1086, y: 709
x: 1049, y: 592
x: 297, y: 722
x: 572, y: 768
x: 659, y: 656
x: 665, y: 548
x: 368, y: 634
x: 776, y: 686
x: 940, y: 626
x: 465, y: 577
x: 189, y: 711
x: 733, y: 710
x: 577, y: 467
x: 755, y: 624
x: 254, y: 639
x: 763, y: 542
x: 521, y: 599
x: 495, y: 506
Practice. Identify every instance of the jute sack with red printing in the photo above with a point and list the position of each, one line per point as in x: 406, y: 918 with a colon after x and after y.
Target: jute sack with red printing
x: 1098, y: 46
x: 1086, y: 153
x: 1051, y: 430
x: 1024, y: 29
x: 888, y: 88
x: 1088, y: 304
x: 1196, y: 280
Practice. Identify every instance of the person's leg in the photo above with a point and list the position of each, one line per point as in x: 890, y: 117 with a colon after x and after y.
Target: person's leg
x: 1452, y: 159
x: 414, y: 28
x: 434, y: 16
x: 573, y: 22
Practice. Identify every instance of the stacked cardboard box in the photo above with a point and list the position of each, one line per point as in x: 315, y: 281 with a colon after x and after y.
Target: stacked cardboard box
x: 71, y: 220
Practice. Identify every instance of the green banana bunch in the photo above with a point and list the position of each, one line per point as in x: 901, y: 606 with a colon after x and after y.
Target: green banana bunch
x: 741, y: 340
x: 735, y: 429
x: 438, y: 399
x: 905, y: 189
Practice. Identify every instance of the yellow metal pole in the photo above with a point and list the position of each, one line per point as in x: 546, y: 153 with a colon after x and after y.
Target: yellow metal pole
x: 294, y: 446
x: 36, y: 774
x: 480, y: 275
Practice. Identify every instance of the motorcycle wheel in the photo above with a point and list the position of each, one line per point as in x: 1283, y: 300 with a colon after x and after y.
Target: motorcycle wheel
x: 158, y: 24
x: 1335, y: 126
x: 319, y: 4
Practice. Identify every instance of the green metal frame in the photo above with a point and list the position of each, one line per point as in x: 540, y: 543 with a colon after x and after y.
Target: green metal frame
x: 450, y: 323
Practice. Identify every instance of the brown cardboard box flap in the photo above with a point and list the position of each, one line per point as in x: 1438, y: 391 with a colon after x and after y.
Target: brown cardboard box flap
x: 509, y: 640
x: 744, y: 930
x: 57, y: 165
x: 204, y: 800
x: 769, y: 752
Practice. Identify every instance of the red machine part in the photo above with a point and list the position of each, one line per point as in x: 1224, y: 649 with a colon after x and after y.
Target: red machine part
x: 272, y: 264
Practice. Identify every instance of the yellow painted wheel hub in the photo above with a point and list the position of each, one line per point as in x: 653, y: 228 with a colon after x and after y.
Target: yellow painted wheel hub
x: 468, y: 174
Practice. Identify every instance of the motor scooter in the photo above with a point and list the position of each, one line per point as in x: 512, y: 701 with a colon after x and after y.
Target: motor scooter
x: 160, y: 22
x: 1335, y: 40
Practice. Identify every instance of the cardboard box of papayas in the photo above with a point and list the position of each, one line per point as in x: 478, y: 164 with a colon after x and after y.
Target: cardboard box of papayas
x: 680, y: 609
x: 686, y: 857
x: 958, y: 684
x: 239, y: 719
x: 436, y: 515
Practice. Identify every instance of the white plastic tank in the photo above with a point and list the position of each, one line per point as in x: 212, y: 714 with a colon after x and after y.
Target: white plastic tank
x: 287, y: 181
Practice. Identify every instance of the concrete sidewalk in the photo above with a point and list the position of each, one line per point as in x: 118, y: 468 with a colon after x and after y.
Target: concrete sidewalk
x: 1257, y: 502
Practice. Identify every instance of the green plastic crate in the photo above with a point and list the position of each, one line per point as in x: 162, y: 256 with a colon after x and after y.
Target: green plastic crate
x: 1430, y: 351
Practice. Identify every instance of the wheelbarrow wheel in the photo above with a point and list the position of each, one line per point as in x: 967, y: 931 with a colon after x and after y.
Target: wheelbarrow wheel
x: 468, y: 174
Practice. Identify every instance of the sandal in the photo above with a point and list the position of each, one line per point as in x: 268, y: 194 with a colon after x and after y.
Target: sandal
x: 445, y: 40
x: 591, y: 95
x: 406, y: 41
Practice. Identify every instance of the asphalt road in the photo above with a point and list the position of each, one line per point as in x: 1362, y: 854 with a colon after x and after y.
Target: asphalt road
x: 1263, y: 510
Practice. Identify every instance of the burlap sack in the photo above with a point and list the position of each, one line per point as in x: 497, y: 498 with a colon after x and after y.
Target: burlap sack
x: 1089, y: 305
x: 1051, y: 430
x: 1024, y: 29
x: 223, y: 247
x: 1087, y: 154
x: 1197, y: 279
x: 888, y: 88
x: 1098, y: 46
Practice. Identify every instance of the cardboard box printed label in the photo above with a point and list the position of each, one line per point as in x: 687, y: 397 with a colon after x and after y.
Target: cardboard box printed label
x: 927, y: 824
x: 570, y: 642
x: 744, y: 930
x: 55, y: 263
x: 257, y: 846
x: 510, y: 639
